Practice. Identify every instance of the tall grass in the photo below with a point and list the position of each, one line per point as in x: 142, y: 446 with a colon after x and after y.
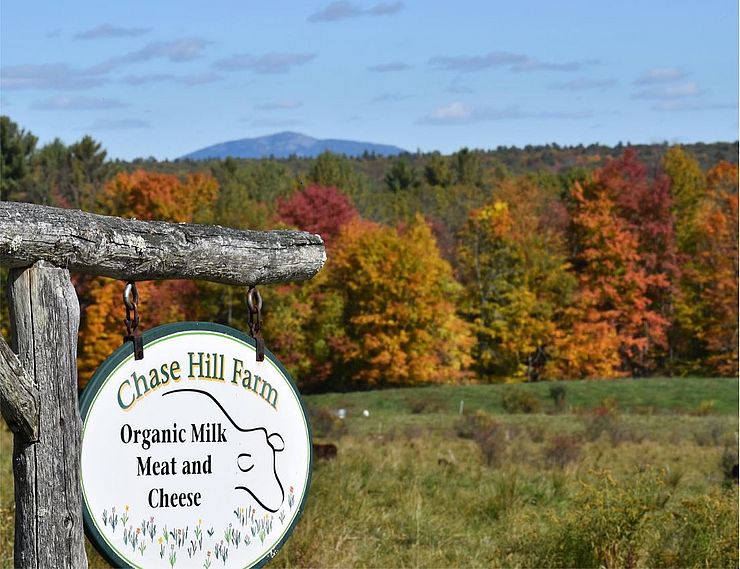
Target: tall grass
x: 417, y: 485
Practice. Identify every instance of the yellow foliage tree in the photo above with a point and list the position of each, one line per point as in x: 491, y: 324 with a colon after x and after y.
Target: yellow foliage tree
x: 400, y: 323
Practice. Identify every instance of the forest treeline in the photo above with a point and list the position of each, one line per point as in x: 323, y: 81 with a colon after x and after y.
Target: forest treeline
x: 510, y: 265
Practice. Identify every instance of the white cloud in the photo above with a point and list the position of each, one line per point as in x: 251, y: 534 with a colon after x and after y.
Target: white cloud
x: 459, y: 113
x: 389, y: 67
x: 453, y: 112
x: 175, y: 51
x: 684, y: 105
x: 671, y: 91
x: 584, y: 84
x: 661, y: 75
x: 266, y: 64
x: 279, y: 105
x: 66, y: 103
x: 466, y: 63
x: 48, y: 76
x: 110, y: 31
x: 343, y: 10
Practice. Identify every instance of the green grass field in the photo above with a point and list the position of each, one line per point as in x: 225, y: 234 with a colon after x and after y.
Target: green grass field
x: 622, y: 473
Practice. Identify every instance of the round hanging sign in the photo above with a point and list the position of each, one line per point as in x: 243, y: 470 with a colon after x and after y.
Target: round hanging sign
x: 196, y: 455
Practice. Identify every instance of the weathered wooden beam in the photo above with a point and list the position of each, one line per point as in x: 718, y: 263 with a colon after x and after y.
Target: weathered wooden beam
x: 130, y: 249
x: 48, y: 504
x: 19, y: 397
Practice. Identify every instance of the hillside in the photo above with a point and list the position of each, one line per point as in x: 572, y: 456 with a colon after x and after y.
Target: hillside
x: 287, y: 144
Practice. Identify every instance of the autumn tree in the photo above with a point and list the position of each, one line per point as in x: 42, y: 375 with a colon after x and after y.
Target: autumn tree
x: 708, y: 306
x: 645, y: 204
x: 517, y: 283
x: 144, y: 195
x: 318, y: 209
x: 304, y: 324
x: 687, y: 188
x: 618, y: 325
x: 151, y: 195
x: 398, y: 294
x: 633, y: 237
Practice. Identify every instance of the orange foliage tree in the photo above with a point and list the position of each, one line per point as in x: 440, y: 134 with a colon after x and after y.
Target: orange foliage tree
x: 382, y: 312
x: 614, y: 325
x: 708, y: 306
x: 144, y: 195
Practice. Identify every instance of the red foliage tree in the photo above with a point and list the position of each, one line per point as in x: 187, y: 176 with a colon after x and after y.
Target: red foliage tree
x: 318, y: 209
x: 645, y: 204
x: 614, y: 285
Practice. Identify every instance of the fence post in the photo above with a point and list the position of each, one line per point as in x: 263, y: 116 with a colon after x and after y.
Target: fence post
x: 45, y: 314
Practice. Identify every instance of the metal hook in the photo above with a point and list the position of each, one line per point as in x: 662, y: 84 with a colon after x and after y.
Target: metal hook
x: 254, y: 300
x: 130, y: 295
x: 254, y: 303
x: 131, y: 302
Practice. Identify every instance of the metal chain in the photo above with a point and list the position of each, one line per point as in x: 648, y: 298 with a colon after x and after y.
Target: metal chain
x: 131, y: 302
x: 254, y: 303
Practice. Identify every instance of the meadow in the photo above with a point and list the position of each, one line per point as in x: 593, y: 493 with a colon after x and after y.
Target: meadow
x: 620, y: 473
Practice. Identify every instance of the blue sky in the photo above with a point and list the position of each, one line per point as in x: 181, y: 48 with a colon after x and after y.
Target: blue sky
x: 165, y: 78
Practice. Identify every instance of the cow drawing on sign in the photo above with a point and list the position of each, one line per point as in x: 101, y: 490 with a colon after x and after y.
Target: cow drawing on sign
x: 258, y: 465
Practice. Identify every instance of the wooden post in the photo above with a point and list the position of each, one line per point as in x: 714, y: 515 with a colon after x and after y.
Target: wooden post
x: 45, y: 314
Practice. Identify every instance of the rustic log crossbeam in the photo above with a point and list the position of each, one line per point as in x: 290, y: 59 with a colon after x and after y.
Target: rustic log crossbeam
x: 38, y: 376
x: 130, y: 249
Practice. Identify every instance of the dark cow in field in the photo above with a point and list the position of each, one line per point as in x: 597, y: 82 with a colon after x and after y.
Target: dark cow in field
x: 325, y: 451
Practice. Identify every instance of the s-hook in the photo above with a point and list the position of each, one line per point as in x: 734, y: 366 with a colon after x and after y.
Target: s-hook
x: 254, y: 303
x: 131, y: 302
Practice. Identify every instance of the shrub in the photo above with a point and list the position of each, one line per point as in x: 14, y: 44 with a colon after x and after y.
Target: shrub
x: 705, y: 408
x: 562, y: 450
x: 420, y: 405
x: 471, y: 424
x: 601, y: 420
x: 711, y: 434
x: 326, y: 424
x: 490, y: 436
x: 536, y: 433
x: 558, y: 393
x: 520, y: 401
x: 492, y: 443
x: 728, y: 464
x: 605, y: 419
x: 507, y: 495
x: 699, y: 532
x: 607, y: 527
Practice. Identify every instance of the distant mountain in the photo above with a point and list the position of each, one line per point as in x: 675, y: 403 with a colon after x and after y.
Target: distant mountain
x: 285, y: 144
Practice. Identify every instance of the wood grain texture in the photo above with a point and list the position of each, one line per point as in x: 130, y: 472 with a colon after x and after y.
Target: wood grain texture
x: 129, y: 249
x: 19, y: 397
x: 48, y: 517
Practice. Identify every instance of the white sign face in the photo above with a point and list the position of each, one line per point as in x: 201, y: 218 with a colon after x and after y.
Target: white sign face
x: 195, y: 456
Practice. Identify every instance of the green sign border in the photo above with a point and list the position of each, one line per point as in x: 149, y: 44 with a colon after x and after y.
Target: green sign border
x: 125, y: 353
